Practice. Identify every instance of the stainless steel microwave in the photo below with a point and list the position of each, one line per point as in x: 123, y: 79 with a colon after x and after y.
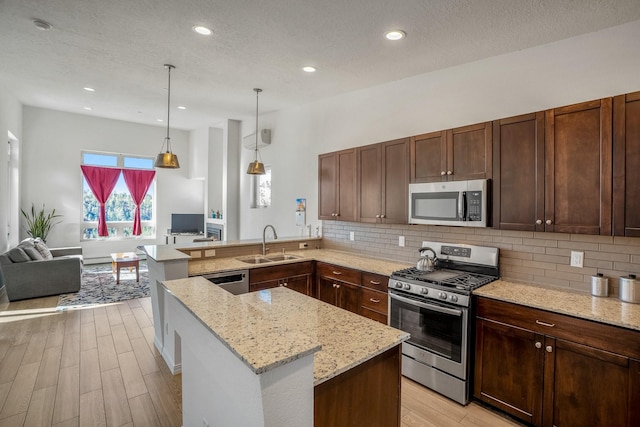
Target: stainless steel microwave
x: 457, y: 203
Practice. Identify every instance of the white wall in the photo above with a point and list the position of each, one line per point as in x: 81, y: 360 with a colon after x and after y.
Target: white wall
x: 592, y: 66
x: 10, y: 121
x: 51, y: 146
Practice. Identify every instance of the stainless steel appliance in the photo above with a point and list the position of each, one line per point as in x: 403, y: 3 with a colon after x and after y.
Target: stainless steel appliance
x: 236, y: 282
x: 461, y: 203
x: 435, y: 308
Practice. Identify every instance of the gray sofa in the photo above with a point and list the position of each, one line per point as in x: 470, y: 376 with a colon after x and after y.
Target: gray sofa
x: 45, y: 272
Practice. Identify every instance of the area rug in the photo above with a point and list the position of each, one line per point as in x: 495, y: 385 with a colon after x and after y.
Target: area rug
x: 99, y: 286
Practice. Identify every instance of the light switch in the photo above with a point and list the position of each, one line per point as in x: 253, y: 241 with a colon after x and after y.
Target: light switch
x: 401, y: 241
x: 352, y: 235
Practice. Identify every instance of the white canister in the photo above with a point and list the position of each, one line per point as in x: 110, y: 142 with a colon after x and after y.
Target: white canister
x: 599, y: 285
x: 630, y: 289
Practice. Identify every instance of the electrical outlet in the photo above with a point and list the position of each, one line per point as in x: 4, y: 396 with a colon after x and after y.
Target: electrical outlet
x: 401, y: 241
x: 577, y: 259
x: 352, y: 235
x: 209, y: 252
x: 302, y: 246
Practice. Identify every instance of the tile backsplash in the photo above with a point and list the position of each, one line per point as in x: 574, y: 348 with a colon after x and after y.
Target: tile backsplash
x: 527, y: 257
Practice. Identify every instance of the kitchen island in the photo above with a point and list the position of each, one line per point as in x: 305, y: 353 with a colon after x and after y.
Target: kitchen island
x: 279, y: 358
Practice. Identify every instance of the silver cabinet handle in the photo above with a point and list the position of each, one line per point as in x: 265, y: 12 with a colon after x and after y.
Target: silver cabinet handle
x: 549, y: 349
x: 548, y: 222
x: 538, y: 344
x: 550, y: 325
x: 443, y: 173
x: 449, y: 173
x: 375, y: 301
x: 382, y: 216
x: 538, y: 221
x: 373, y: 282
x: 285, y: 284
x: 337, y: 273
x: 338, y: 286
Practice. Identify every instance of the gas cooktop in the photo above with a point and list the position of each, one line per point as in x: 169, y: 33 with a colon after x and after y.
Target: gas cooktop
x: 460, y: 280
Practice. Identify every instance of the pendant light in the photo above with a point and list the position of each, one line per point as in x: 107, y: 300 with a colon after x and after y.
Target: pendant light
x: 167, y: 159
x: 255, y: 167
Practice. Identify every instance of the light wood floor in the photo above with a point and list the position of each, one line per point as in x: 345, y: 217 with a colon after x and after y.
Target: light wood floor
x: 99, y: 367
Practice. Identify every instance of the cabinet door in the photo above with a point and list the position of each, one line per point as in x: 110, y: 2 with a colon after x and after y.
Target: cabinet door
x: 327, y: 185
x: 348, y: 297
x: 586, y: 386
x: 469, y: 153
x: 327, y: 291
x: 369, y: 183
x: 509, y: 369
x: 300, y: 284
x: 346, y: 190
x: 626, y: 165
x: 578, y: 164
x: 395, y: 181
x: 518, y: 173
x: 428, y: 157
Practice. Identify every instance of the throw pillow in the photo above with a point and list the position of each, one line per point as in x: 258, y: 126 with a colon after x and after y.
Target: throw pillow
x: 18, y: 255
x: 43, y: 249
x: 33, y: 253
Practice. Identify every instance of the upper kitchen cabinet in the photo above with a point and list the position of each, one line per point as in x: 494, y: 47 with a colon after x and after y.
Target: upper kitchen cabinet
x: 383, y: 182
x: 454, y: 155
x: 337, y: 185
x: 518, y: 173
x: 578, y: 168
x: 626, y: 165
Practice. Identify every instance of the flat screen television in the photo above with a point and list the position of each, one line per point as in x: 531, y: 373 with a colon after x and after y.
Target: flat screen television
x: 187, y: 223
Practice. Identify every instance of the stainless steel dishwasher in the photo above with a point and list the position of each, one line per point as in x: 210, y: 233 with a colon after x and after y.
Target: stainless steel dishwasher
x: 236, y: 282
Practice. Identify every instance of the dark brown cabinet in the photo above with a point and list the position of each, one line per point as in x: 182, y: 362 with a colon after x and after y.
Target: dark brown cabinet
x: 339, y: 286
x: 518, y: 173
x: 297, y: 276
x: 375, y: 302
x: 578, y: 168
x: 626, y: 165
x: 554, y: 370
x: 454, y: 155
x: 382, y: 182
x: 337, y: 185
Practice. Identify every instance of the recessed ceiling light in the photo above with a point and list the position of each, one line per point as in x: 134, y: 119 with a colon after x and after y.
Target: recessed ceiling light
x: 181, y: 107
x: 89, y: 89
x: 159, y: 120
x: 309, y: 69
x: 87, y: 108
x: 42, y: 25
x: 395, y: 35
x: 202, y: 30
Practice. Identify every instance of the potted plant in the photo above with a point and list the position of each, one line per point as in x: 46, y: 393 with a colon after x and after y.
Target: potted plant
x: 39, y: 224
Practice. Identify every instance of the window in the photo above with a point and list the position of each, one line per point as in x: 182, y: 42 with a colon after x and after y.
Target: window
x: 261, y: 189
x: 120, y: 206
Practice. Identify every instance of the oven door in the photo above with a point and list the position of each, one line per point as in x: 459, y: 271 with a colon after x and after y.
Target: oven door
x: 439, y: 332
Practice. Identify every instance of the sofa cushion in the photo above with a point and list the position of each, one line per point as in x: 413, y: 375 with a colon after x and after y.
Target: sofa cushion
x: 4, y: 259
x: 18, y: 255
x: 43, y: 249
x: 28, y: 246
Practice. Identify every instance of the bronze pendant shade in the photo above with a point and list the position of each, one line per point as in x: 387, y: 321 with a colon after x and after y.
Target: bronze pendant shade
x: 256, y: 167
x: 167, y: 159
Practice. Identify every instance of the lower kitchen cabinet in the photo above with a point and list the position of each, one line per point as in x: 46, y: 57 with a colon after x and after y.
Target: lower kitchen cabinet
x: 297, y: 276
x: 339, y: 286
x: 375, y: 299
x: 554, y: 370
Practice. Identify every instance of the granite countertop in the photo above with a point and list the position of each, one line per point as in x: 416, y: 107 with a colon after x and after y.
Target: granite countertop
x: 269, y: 328
x: 608, y: 310
x: 344, y: 259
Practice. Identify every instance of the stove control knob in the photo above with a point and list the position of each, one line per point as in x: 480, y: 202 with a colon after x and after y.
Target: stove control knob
x: 399, y: 285
x: 454, y: 298
x: 424, y: 291
x: 442, y: 295
x: 407, y: 286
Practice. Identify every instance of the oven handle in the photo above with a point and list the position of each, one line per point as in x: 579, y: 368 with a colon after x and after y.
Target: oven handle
x: 427, y: 306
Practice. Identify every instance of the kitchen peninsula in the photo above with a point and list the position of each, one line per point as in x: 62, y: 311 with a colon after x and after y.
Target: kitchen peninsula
x: 279, y: 358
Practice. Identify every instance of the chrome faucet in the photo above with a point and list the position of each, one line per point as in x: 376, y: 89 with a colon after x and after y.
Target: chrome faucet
x: 264, y: 242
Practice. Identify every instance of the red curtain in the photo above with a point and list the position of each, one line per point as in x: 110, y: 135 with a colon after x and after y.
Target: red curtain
x: 101, y: 181
x: 138, y: 182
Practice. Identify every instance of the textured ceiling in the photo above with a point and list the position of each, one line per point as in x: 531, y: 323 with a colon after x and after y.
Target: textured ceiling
x: 119, y: 48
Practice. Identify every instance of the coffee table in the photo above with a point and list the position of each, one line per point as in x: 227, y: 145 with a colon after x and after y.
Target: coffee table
x: 124, y: 260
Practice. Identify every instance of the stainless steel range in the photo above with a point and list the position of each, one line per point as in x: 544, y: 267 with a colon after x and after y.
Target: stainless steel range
x: 434, y: 307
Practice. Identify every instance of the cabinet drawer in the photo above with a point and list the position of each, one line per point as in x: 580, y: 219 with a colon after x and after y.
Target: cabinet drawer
x: 375, y: 281
x: 335, y: 272
x: 263, y: 274
x: 375, y: 300
x: 618, y: 340
x: 374, y: 315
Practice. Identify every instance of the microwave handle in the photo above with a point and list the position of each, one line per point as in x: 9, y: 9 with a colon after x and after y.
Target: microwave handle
x: 464, y: 206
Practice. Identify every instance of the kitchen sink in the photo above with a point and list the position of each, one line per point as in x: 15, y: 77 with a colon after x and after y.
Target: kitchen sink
x: 283, y: 257
x: 254, y: 259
